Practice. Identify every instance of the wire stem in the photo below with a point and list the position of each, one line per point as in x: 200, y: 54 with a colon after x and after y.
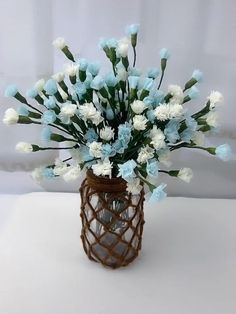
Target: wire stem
x: 135, y: 56
x: 162, y: 75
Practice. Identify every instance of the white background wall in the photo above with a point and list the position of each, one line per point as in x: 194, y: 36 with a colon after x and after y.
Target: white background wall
x: 199, y: 34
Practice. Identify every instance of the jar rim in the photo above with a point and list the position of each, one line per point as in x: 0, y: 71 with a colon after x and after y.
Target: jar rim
x: 104, y: 183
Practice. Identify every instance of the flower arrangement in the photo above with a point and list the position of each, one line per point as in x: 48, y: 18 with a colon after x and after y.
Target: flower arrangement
x: 120, y: 124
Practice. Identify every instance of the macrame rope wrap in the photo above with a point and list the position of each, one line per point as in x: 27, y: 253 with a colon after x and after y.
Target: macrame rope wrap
x: 112, y: 221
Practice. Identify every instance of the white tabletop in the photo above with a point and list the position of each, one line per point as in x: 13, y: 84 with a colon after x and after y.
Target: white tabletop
x: 187, y: 264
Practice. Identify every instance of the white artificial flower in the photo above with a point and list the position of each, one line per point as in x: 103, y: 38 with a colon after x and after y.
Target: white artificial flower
x: 212, y: 119
x: 59, y: 43
x: 198, y: 138
x: 68, y: 109
x: 73, y: 172
x: 39, y: 85
x: 214, y: 98
x: 23, y: 147
x: 36, y: 174
x: 185, y: 174
x: 95, y: 149
x: 133, y: 186
x: 145, y: 154
x: 71, y: 69
x: 60, y: 167
x: 58, y: 76
x: 107, y: 133
x: 97, y: 118
x: 102, y: 168
x: 89, y: 112
x: 168, y: 111
x: 176, y: 111
x: 138, y: 106
x: 10, y: 116
x: 157, y: 138
x: 139, y: 122
x: 164, y: 157
x: 123, y: 47
x: 162, y: 112
x: 177, y: 94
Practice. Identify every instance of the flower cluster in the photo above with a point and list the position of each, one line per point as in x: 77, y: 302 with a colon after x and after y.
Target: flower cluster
x: 120, y: 124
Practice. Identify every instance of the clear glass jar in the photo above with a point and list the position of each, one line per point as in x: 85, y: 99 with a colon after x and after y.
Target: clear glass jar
x: 112, y: 220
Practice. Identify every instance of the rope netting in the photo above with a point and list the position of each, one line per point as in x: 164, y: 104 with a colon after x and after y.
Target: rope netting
x: 112, y: 221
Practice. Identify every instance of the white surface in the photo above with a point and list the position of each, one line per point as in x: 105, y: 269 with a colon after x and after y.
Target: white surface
x: 187, y: 264
x: 7, y: 202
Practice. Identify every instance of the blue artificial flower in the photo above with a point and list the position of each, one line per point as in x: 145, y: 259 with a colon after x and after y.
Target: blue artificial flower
x: 223, y: 152
x: 134, y: 71
x: 84, y: 153
x: 50, y: 102
x: 149, y: 101
x: 91, y: 136
x: 108, y: 150
x: 152, y: 168
x: 47, y: 173
x: 83, y: 64
x: 126, y: 170
x: 46, y: 134
x: 111, y: 43
x: 132, y: 29
x: 158, y: 194
x: 164, y: 53
x: 197, y: 75
x: 80, y: 89
x: 191, y: 123
x: 187, y: 135
x: 148, y: 83
x: 97, y: 83
x: 124, y: 133
x: 193, y: 92
x: 11, y: 91
x: 120, y: 66
x: 153, y: 73
x: 171, y: 131
x: 48, y: 117
x: 151, y: 115
x: 111, y: 80
x: 102, y: 43
x: 109, y: 114
x: 119, y: 146
x: 133, y: 81
x: 88, y: 80
x: 32, y: 93
x: 93, y: 68
x: 50, y: 87
x: 158, y: 96
x: 23, y: 111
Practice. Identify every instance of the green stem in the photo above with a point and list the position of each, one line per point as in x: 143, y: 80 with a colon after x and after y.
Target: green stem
x: 150, y: 185
x: 135, y: 56
x: 57, y: 127
x: 164, y: 171
x: 161, y: 79
x: 56, y: 148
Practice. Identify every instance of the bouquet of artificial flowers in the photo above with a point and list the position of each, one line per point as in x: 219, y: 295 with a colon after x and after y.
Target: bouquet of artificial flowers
x: 118, y: 125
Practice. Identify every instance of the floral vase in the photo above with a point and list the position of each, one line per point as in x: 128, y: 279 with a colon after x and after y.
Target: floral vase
x: 112, y: 221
